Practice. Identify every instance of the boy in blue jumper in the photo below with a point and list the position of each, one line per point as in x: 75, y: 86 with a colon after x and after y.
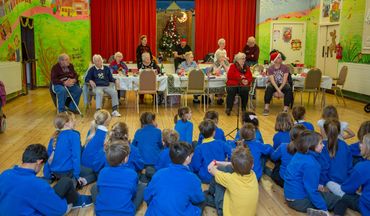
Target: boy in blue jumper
x: 117, y: 191
x: 184, y: 126
x: 355, y: 147
x: 208, y: 151
x: 23, y: 193
x: 175, y: 190
x: 250, y: 117
x: 301, y: 186
x: 299, y: 113
x: 170, y: 137
x: 219, y: 135
x: 283, y: 125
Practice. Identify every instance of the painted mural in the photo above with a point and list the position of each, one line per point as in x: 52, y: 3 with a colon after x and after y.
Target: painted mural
x: 59, y: 26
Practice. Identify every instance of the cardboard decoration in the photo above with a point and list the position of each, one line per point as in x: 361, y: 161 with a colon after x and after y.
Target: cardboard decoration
x: 296, y: 44
x: 287, y: 34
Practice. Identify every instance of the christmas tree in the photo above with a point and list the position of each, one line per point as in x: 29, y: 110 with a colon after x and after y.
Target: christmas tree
x: 170, y: 38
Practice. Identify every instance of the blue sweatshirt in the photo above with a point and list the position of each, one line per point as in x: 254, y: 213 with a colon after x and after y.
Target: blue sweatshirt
x: 164, y: 159
x: 67, y: 154
x: 258, y: 149
x: 208, y: 151
x: 116, y: 189
x: 340, y: 166
x: 219, y: 135
x: 307, y: 125
x: 360, y: 177
x: 23, y: 193
x: 355, y: 149
x: 302, y: 179
x: 185, y: 130
x: 258, y: 136
x: 174, y: 191
x: 101, y: 77
x: 281, y: 137
x: 281, y: 153
x: 149, y: 142
x: 96, y: 144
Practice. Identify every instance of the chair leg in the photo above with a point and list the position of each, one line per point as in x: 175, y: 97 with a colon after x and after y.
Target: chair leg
x: 301, y: 97
x: 314, y: 98
x: 205, y: 101
x: 185, y: 99
x: 336, y: 96
x: 156, y: 101
x: 344, y: 101
x: 137, y: 103
x: 309, y: 97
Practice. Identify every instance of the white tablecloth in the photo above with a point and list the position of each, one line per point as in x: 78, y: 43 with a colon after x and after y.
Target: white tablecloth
x: 214, y: 81
x: 326, y: 81
x: 132, y: 82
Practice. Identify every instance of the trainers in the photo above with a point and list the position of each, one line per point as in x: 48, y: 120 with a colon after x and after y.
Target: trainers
x: 316, y: 212
x: 265, y: 112
x: 82, y: 201
x: 115, y: 113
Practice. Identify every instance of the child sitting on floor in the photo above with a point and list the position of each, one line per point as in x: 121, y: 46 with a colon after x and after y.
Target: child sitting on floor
x: 219, y: 135
x: 184, y: 126
x: 283, y: 124
x: 250, y: 117
x: 169, y: 138
x: 299, y: 113
x: 355, y: 147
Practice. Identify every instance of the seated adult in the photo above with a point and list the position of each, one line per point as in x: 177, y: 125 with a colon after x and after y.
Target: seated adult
x: 147, y: 63
x: 118, y: 66
x: 239, y: 78
x: 102, y: 81
x: 252, y: 52
x: 221, y: 49
x: 220, y: 66
x: 188, y: 65
x: 142, y: 48
x: 278, y: 83
x: 63, y: 77
x: 179, y: 53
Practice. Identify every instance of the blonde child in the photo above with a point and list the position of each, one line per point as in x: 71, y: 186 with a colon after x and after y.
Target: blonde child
x: 169, y: 138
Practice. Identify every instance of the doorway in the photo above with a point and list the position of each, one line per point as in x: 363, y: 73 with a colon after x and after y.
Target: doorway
x: 28, y: 51
x: 328, y: 37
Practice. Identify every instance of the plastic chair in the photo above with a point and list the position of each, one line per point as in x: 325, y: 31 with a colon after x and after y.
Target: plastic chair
x: 339, y: 83
x: 147, y: 85
x: 196, y: 86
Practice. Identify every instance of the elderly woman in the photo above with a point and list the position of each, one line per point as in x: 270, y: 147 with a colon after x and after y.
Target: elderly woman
x: 187, y: 65
x: 220, y: 66
x: 221, y: 49
x: 118, y: 66
x: 142, y: 48
x: 102, y: 81
x: 252, y: 52
x: 147, y: 63
x: 239, y: 78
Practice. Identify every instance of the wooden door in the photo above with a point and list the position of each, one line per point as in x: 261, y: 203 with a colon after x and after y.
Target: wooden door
x: 328, y: 38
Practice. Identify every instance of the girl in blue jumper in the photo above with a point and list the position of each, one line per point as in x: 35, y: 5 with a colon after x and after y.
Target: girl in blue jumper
x: 95, y: 139
x: 184, y: 126
x: 299, y: 113
x: 337, y: 155
x: 283, y: 125
x: 250, y: 117
x: 169, y: 137
x: 219, y: 135
x: 355, y: 147
x: 285, y: 153
x: 301, y: 186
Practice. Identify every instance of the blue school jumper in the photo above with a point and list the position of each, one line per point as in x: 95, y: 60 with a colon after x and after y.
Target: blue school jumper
x: 164, y: 159
x: 174, y: 190
x: 23, y: 193
x: 258, y: 149
x: 116, y: 189
x: 96, y: 144
x: 281, y: 137
x: 219, y: 135
x: 67, y: 154
x: 208, y: 151
x: 148, y: 140
x: 307, y: 125
x: 281, y: 153
x: 258, y: 136
x: 360, y: 177
x: 355, y: 149
x: 185, y: 130
x: 302, y: 179
x: 340, y: 166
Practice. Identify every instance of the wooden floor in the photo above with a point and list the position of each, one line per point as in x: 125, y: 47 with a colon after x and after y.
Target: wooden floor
x: 30, y: 120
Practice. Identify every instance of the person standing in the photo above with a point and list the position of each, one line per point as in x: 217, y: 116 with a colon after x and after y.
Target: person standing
x: 252, y: 52
x: 142, y: 48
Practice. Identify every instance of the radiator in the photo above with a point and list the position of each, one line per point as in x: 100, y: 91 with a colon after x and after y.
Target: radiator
x: 11, y: 75
x: 358, y: 78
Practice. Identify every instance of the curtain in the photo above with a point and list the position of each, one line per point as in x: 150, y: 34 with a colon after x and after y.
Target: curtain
x: 233, y: 20
x: 117, y: 25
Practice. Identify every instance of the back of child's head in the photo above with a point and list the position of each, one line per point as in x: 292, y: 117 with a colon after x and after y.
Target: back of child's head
x: 332, y: 131
x: 242, y: 160
x: 211, y: 115
x: 330, y: 112
x: 294, y: 133
x: 364, y: 129
x: 33, y: 153
x: 298, y: 113
x: 117, y: 151
x: 119, y: 131
x: 283, y: 122
x: 101, y: 117
x: 250, y: 117
x: 169, y: 137
x: 147, y: 118
x: 365, y: 151
x: 248, y: 132
x: 62, y: 118
x: 179, y: 151
x: 182, y: 113
x: 207, y: 128
x: 307, y: 140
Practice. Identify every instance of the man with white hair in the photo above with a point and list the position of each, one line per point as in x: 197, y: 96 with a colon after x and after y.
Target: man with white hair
x: 63, y: 77
x: 102, y: 81
x: 252, y: 52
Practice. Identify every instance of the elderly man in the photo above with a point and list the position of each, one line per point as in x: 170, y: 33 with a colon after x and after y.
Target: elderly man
x: 252, y: 52
x: 102, y: 81
x: 63, y: 77
x: 180, y: 51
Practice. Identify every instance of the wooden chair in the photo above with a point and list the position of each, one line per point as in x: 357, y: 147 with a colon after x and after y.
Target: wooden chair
x: 339, y: 83
x: 252, y: 95
x: 147, y: 85
x: 196, y: 86
x: 311, y: 84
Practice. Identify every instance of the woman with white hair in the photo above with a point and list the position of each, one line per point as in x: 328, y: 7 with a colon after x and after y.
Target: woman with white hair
x: 102, y: 81
x: 221, y: 49
x: 187, y: 65
x: 221, y: 66
x: 239, y: 79
x: 118, y: 66
x: 148, y: 63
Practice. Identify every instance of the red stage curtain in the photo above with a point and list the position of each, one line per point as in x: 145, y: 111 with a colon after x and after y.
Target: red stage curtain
x: 234, y: 20
x: 117, y: 25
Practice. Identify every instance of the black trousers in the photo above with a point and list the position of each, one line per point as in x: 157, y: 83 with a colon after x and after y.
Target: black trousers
x: 66, y: 190
x: 287, y: 90
x: 275, y: 175
x: 178, y: 62
x: 302, y: 205
x: 231, y: 93
x: 347, y: 201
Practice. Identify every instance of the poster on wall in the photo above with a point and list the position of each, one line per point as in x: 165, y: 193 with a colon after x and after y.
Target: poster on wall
x: 330, y: 11
x: 287, y: 34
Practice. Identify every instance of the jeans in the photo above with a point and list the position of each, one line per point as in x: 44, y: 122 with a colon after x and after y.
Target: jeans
x: 302, y: 205
x: 62, y: 95
x: 65, y: 189
x: 287, y: 90
x: 231, y: 93
x: 99, y: 92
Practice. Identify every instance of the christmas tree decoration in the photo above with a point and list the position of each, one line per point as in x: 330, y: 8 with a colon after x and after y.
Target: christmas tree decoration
x: 170, y: 38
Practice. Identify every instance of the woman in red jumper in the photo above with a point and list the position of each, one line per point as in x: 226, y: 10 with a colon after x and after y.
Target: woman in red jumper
x: 239, y: 78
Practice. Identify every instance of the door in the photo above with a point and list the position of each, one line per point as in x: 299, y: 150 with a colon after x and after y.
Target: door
x: 290, y: 39
x: 326, y: 60
x: 28, y: 51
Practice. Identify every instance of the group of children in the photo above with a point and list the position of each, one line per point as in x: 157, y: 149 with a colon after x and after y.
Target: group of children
x: 318, y: 171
